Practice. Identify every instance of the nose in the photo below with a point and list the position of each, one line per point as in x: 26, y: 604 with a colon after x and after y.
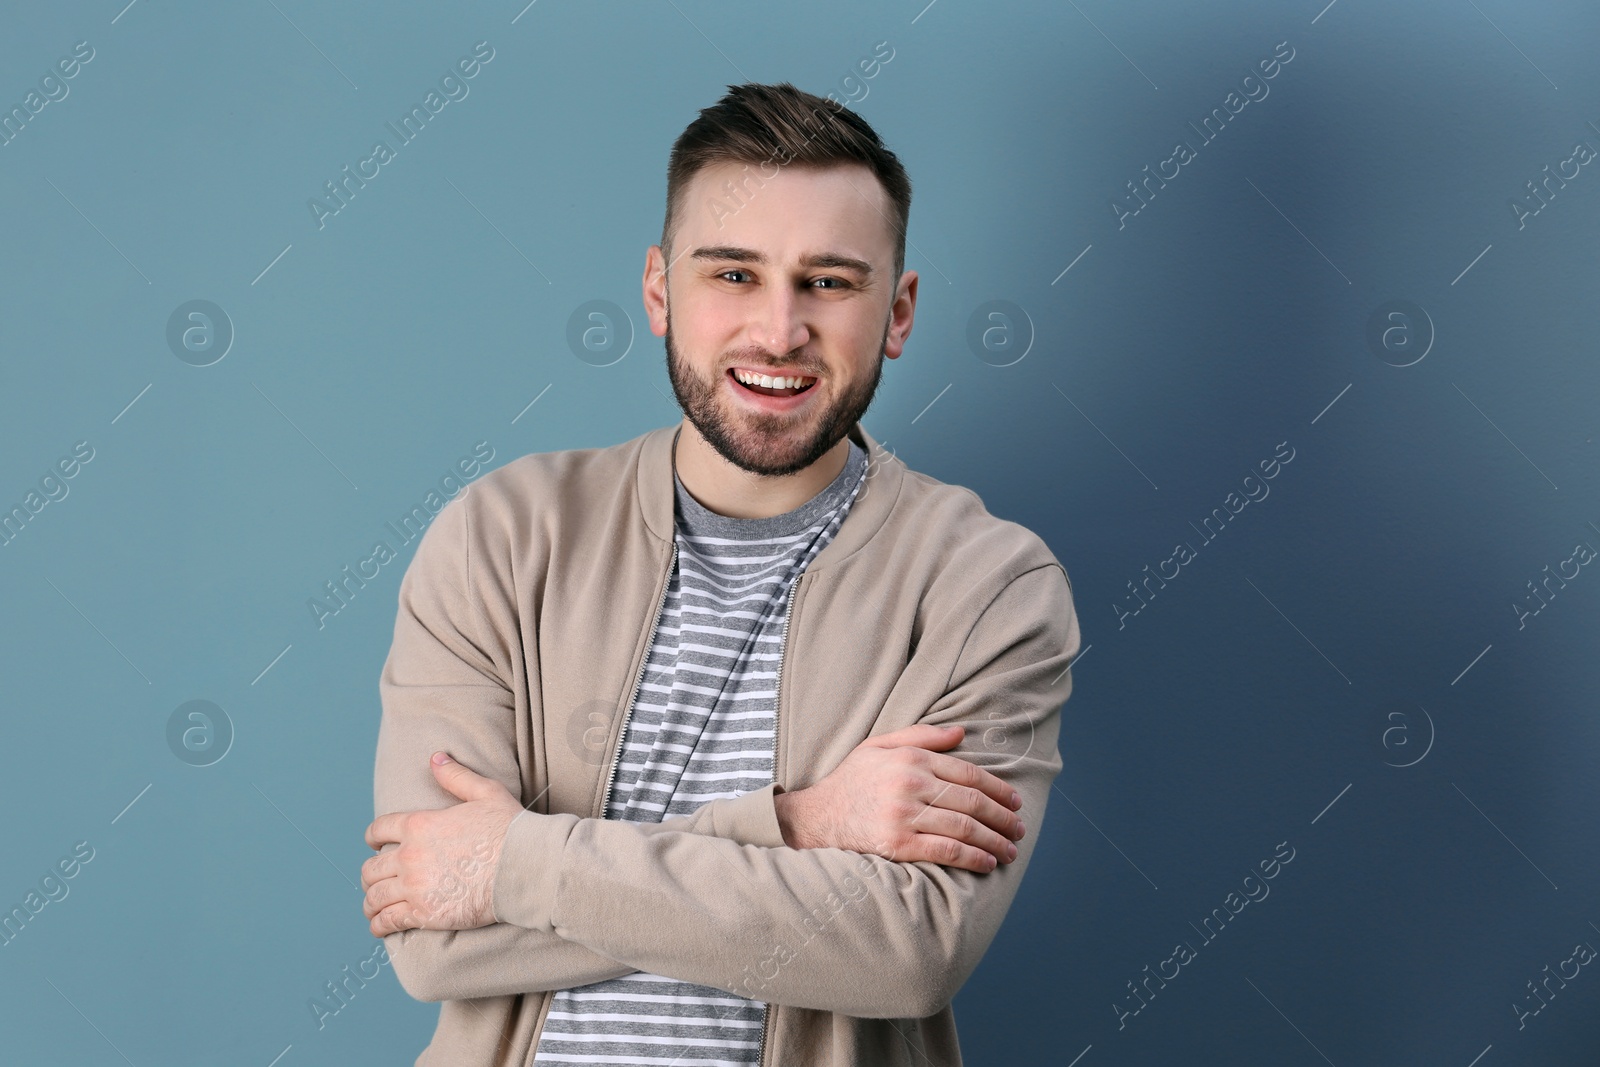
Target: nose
x: 781, y: 328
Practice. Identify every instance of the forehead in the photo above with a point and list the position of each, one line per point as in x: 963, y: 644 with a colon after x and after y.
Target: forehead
x: 798, y: 210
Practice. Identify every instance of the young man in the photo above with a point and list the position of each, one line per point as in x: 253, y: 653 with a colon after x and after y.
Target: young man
x: 699, y: 687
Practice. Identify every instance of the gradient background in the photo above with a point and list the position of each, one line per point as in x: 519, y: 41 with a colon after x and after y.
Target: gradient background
x: 1361, y: 617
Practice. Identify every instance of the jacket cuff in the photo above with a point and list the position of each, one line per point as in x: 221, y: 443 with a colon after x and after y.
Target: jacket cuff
x: 529, y: 868
x: 751, y: 818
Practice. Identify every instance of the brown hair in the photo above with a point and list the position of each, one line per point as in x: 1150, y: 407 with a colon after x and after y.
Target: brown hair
x: 779, y: 125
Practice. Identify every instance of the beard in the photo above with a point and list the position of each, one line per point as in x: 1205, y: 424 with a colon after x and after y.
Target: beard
x: 763, y: 442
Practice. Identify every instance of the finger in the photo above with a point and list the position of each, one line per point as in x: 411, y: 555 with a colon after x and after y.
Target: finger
x: 397, y: 916
x: 979, y: 806
x: 946, y: 852
x: 919, y: 735
x: 958, y: 826
x: 383, y: 893
x: 376, y: 868
x: 385, y: 829
x: 962, y: 772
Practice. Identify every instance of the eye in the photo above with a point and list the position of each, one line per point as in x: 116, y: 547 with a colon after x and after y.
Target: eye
x: 725, y: 273
x: 840, y: 283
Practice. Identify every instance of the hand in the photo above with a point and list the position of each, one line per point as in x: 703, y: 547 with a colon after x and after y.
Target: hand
x: 892, y: 796
x: 441, y: 874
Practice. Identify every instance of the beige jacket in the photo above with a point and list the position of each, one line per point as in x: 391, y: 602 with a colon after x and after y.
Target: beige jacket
x: 523, y: 627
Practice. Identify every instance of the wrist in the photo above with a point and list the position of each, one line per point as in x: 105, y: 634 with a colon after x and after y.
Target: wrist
x: 791, y: 818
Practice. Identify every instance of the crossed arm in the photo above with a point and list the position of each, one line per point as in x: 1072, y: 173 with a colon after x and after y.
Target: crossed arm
x: 502, y: 959
x: 894, y: 796
x: 746, y: 908
x: 441, y: 690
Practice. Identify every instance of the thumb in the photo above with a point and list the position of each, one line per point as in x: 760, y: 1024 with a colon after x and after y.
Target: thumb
x: 920, y: 735
x: 462, y: 782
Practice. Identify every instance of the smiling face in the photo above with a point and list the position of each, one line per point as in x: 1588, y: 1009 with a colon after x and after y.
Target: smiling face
x: 785, y: 276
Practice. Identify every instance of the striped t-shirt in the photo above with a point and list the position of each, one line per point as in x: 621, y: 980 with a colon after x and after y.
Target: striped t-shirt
x: 701, y: 728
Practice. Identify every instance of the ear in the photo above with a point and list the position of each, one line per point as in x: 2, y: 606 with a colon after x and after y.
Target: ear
x: 655, y: 290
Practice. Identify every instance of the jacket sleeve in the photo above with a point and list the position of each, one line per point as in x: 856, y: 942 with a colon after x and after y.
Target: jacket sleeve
x: 445, y: 685
x: 825, y: 928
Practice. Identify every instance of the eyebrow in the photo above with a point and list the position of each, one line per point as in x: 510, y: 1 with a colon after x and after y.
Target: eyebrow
x: 815, y: 259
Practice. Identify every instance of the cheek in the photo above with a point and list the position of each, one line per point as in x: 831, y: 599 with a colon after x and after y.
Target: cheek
x: 707, y: 331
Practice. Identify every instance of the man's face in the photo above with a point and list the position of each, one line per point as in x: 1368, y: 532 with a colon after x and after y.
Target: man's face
x: 787, y: 276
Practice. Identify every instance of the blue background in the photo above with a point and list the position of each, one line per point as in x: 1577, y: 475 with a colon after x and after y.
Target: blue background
x: 1360, y: 617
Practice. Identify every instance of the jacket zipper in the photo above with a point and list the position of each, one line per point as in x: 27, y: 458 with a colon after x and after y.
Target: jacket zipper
x: 622, y: 734
x: 761, y: 1049
x: 777, y: 701
x: 777, y: 685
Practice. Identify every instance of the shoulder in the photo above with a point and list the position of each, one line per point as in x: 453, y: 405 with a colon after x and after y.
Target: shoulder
x: 514, y: 502
x: 533, y: 477
x: 524, y: 509
x: 957, y: 534
x: 952, y: 565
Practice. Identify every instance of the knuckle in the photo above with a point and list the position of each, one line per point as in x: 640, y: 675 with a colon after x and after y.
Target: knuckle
x: 1004, y: 824
x: 971, y: 799
x: 1001, y: 822
x: 908, y: 756
x: 903, y: 812
x: 907, y: 783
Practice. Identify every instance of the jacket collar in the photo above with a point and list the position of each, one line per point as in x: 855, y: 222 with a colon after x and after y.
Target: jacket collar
x: 885, y: 475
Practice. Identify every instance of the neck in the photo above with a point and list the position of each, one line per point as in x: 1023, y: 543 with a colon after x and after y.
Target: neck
x: 721, y: 487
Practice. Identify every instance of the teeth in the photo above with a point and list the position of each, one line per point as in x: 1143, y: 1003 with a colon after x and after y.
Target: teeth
x: 769, y: 382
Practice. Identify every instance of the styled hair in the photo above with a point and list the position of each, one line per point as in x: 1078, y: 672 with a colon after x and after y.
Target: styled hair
x: 772, y: 126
